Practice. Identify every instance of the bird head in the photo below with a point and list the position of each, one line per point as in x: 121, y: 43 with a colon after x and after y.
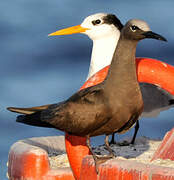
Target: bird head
x: 96, y: 26
x: 136, y: 29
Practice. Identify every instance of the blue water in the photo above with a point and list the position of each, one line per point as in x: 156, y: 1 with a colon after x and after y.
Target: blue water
x: 36, y: 69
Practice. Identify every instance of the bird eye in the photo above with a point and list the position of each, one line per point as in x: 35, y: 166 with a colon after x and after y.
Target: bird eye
x: 98, y: 21
x: 95, y: 22
x: 134, y: 28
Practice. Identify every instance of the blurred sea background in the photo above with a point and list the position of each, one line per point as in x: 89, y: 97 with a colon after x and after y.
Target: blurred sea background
x: 36, y: 69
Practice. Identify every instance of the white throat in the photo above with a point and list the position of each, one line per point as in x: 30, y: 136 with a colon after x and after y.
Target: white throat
x: 102, y: 52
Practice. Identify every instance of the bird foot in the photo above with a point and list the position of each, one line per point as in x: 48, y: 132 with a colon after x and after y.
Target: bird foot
x: 124, y: 143
x: 101, y: 159
x: 112, y: 142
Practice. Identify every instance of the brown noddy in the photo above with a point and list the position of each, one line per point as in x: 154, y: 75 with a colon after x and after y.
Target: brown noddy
x: 111, y: 106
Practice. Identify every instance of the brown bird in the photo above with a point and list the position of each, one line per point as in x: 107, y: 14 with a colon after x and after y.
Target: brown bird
x: 111, y: 106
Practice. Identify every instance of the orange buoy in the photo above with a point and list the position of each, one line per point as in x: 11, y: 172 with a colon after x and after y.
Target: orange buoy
x: 28, y: 159
x: 126, y: 170
x: 156, y: 72
x: 28, y: 164
x: 76, y: 149
x: 165, y: 149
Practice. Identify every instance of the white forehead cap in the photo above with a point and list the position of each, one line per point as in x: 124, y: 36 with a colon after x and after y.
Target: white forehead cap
x: 140, y: 23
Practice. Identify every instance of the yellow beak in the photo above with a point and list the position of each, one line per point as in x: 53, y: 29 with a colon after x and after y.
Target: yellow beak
x: 70, y: 30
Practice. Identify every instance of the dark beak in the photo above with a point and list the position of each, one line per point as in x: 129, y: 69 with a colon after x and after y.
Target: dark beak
x: 150, y: 34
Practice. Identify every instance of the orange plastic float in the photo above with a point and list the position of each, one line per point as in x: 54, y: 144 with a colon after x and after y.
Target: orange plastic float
x: 124, y: 170
x: 149, y: 71
x: 28, y: 160
x: 166, y: 148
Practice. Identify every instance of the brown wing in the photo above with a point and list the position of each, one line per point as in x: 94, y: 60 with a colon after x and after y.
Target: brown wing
x: 82, y: 113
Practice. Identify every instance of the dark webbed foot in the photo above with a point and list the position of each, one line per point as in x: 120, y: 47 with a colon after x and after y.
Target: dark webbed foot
x: 125, y: 143
x: 100, y: 159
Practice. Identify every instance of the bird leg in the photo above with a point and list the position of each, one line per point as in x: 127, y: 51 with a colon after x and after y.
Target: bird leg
x: 126, y: 143
x: 113, y: 139
x: 98, y: 160
x: 111, y: 154
x: 90, y: 148
x: 135, y: 133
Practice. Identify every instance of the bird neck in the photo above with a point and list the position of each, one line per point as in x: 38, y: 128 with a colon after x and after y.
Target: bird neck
x: 122, y: 72
x: 102, y: 53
